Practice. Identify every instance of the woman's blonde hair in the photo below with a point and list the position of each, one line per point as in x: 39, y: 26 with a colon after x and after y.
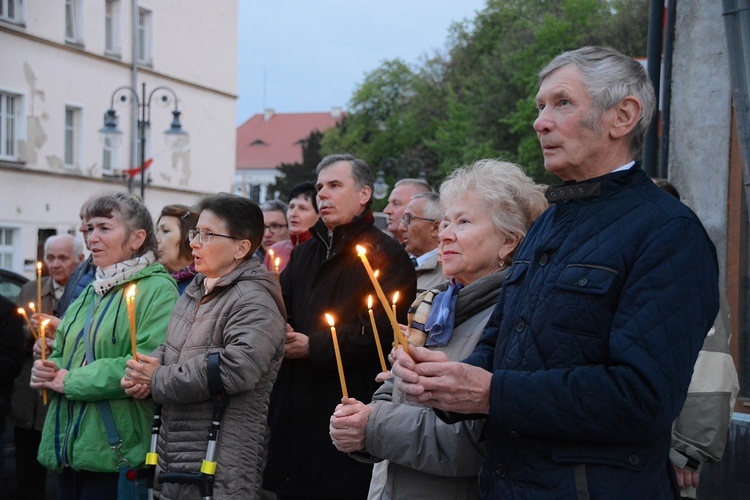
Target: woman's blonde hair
x: 515, y: 201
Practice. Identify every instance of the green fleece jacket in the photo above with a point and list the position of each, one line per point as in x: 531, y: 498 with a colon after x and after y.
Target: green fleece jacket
x: 74, y: 434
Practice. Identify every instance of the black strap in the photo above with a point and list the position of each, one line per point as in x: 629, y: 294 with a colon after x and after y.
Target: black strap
x: 213, y: 374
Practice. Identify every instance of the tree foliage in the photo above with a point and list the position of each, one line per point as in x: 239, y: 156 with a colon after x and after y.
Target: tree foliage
x: 476, y: 100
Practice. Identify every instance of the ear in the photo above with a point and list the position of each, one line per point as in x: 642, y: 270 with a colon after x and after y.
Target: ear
x: 137, y: 238
x: 435, y: 230
x: 243, y: 249
x: 508, y: 246
x: 80, y: 258
x: 626, y: 114
x: 365, y: 195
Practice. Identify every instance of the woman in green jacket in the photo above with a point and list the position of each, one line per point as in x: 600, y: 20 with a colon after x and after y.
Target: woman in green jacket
x: 74, y: 440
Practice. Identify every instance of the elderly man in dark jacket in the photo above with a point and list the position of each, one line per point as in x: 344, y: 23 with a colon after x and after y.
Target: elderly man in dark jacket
x: 325, y: 275
x: 587, y: 358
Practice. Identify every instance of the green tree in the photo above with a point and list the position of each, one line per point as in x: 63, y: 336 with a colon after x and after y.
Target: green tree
x: 477, y: 99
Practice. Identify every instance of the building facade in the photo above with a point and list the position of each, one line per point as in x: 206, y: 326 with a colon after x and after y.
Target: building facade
x: 62, y: 62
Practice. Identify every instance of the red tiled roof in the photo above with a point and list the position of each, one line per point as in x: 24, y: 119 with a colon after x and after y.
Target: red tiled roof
x: 268, y: 143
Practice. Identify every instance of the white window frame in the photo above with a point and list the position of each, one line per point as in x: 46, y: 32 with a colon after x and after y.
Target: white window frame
x: 112, y: 27
x: 10, y: 253
x: 11, y: 125
x: 144, y: 36
x: 110, y: 158
x: 74, y: 21
x: 12, y: 11
x: 72, y: 136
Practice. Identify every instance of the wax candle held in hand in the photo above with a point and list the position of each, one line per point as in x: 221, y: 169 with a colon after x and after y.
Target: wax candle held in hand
x: 375, y: 333
x: 130, y: 302
x: 340, y: 365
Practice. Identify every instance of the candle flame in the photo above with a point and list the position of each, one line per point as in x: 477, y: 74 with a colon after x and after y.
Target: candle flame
x: 21, y: 311
x: 271, y: 253
x: 277, y: 261
x: 395, y: 297
x: 376, y: 273
x: 369, y: 301
x: 131, y: 292
x: 361, y: 250
x: 45, y: 322
x: 329, y: 318
x: 38, y: 266
x: 32, y: 307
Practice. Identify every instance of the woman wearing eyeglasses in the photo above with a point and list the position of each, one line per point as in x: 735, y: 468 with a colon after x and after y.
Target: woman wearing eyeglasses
x: 488, y: 206
x: 302, y: 214
x: 233, y: 307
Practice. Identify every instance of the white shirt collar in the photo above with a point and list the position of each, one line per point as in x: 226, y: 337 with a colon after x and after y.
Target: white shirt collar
x: 425, y: 256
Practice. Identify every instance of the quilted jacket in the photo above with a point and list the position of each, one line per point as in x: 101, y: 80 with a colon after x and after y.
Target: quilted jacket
x: 243, y: 319
x: 593, y: 342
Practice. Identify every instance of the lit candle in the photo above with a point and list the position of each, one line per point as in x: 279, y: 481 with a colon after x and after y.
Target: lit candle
x: 375, y: 332
x: 43, y: 336
x: 130, y: 302
x: 39, y: 285
x: 32, y: 307
x: 395, y: 335
x: 383, y: 299
x: 276, y: 264
x: 271, y: 255
x: 335, y: 339
x: 22, y: 312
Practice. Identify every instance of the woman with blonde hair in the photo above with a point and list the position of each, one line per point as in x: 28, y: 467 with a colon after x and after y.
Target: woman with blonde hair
x: 489, y: 207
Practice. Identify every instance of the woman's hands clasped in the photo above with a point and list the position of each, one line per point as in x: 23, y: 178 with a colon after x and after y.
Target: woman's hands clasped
x: 138, y: 375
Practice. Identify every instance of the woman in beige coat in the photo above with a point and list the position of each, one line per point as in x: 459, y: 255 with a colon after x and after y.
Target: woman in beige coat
x: 233, y: 307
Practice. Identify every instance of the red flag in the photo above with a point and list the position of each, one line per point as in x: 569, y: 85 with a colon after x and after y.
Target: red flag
x: 135, y: 171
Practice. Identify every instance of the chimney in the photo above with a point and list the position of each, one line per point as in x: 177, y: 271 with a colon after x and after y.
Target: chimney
x: 268, y: 113
x: 336, y: 112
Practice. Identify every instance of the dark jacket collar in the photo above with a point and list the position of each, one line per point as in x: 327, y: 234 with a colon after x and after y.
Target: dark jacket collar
x: 592, y: 188
x: 342, y: 233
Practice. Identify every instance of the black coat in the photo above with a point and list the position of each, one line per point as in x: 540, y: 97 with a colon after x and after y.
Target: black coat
x: 11, y: 353
x: 331, y: 279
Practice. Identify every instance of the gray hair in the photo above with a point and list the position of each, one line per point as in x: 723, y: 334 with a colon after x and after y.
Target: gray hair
x: 610, y: 77
x: 421, y: 184
x: 361, y: 172
x: 275, y: 206
x: 134, y: 214
x: 514, y: 200
x: 432, y: 207
x: 77, y: 244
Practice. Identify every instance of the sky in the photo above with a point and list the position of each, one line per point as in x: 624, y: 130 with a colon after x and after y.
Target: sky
x: 309, y: 55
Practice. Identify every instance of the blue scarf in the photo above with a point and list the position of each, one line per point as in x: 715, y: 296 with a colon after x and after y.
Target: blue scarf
x: 439, y: 323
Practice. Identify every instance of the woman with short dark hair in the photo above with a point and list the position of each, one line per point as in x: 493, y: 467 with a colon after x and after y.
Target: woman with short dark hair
x: 232, y: 307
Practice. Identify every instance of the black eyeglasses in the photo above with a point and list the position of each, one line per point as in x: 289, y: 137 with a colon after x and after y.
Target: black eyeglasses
x: 205, y: 236
x: 406, y: 218
x: 274, y: 228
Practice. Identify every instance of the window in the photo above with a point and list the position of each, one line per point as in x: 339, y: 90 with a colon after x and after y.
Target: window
x: 8, y: 247
x: 112, y: 21
x: 10, y: 125
x: 144, y: 36
x: 72, y: 136
x: 11, y: 10
x: 74, y: 21
x: 110, y: 158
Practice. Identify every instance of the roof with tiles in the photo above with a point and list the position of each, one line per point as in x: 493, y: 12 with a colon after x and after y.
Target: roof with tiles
x: 269, y: 139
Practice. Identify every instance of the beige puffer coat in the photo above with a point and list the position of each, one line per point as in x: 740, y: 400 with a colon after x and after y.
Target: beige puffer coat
x: 243, y: 318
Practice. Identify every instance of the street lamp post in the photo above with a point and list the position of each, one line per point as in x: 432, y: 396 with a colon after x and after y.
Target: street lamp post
x: 112, y: 135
